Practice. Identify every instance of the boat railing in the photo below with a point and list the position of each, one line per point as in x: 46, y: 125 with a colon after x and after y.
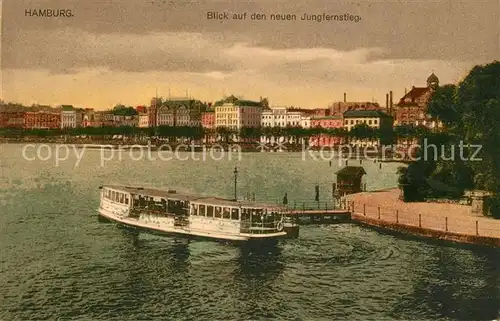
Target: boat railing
x: 259, y: 227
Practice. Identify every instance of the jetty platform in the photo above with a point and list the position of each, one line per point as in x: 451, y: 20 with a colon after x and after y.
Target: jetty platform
x: 319, y: 216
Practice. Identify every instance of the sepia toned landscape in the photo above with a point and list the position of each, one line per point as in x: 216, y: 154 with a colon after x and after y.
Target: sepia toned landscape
x: 263, y: 160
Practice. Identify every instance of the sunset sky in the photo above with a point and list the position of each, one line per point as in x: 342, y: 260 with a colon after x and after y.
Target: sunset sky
x: 122, y: 51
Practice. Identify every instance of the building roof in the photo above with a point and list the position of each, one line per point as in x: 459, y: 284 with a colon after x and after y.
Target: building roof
x: 365, y: 113
x: 351, y: 171
x: 414, y: 94
x: 432, y: 78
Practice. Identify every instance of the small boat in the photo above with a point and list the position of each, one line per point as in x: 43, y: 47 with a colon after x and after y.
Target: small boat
x: 169, y: 212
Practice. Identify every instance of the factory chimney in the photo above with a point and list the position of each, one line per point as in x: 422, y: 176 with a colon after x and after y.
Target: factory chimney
x: 345, y: 97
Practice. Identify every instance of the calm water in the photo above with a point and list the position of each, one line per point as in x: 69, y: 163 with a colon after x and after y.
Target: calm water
x: 58, y: 262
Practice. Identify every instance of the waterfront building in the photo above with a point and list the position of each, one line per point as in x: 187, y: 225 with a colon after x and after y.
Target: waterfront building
x: 319, y: 112
x: 208, y: 119
x: 129, y: 120
x: 305, y: 121
x: 103, y: 119
x: 375, y: 119
x: 88, y: 117
x: 412, y: 107
x: 71, y: 118
x: 42, y: 120
x: 280, y: 117
x: 327, y: 122
x: 340, y: 107
x: 152, y: 111
x: 180, y: 112
x: 143, y: 120
x: 234, y: 113
x: 12, y: 119
x: 372, y: 118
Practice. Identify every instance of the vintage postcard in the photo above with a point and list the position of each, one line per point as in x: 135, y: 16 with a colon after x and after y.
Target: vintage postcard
x: 249, y: 160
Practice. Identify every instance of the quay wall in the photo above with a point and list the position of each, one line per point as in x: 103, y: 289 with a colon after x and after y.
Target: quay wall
x: 426, y: 232
x: 442, y: 221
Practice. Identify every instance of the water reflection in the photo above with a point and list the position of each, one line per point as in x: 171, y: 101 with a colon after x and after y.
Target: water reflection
x: 258, y: 277
x: 458, y: 284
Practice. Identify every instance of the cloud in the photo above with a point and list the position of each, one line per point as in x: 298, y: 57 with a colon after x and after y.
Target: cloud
x: 410, y: 30
x: 216, y: 59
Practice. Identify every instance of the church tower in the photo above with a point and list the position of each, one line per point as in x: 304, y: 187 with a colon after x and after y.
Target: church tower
x: 433, y: 81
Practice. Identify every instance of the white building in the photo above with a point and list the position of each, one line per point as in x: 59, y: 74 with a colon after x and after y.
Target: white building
x: 281, y: 117
x: 372, y: 118
x: 143, y: 120
x: 71, y: 119
x: 305, y: 121
x: 235, y: 113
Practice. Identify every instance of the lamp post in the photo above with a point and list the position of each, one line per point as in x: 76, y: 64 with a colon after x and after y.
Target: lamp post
x: 235, y: 182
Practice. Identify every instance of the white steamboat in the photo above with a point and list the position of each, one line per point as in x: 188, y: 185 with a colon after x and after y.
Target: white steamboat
x: 170, y: 212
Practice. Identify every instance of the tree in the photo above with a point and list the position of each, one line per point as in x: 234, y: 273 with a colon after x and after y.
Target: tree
x: 121, y: 110
x: 442, y: 105
x: 471, y: 113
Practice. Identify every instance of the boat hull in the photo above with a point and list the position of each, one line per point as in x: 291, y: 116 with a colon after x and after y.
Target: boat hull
x: 137, y: 225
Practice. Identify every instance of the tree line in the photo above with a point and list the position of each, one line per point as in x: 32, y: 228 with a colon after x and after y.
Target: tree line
x: 360, y: 131
x: 471, y: 113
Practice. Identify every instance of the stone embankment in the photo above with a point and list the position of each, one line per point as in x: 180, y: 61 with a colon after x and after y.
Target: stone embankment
x: 444, y: 221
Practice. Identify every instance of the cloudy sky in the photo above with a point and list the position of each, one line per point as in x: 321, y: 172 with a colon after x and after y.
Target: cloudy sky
x: 122, y: 51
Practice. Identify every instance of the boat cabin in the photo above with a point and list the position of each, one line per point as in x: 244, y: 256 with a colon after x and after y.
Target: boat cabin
x: 350, y: 180
x: 254, y: 217
x: 116, y: 196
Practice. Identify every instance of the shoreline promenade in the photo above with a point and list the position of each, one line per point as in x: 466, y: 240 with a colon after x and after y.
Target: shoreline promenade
x: 444, y: 221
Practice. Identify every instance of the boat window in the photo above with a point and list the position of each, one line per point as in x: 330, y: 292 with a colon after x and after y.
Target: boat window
x: 163, y: 205
x: 122, y: 198
x: 113, y: 195
x: 257, y: 215
x: 226, y: 213
x: 170, y: 206
x: 210, y: 211
x: 157, y: 205
x: 142, y: 202
x: 126, y: 199
x: 235, y: 214
x: 218, y: 212
x: 194, y: 209
x: 245, y: 214
x: 202, y: 210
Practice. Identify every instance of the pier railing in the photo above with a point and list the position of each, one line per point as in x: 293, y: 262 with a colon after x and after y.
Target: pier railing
x: 311, y: 205
x: 446, y: 222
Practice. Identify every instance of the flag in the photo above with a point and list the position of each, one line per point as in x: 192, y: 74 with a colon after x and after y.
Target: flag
x: 316, y: 198
x: 285, y: 199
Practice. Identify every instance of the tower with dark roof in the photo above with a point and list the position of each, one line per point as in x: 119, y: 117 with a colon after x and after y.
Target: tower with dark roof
x: 433, y: 81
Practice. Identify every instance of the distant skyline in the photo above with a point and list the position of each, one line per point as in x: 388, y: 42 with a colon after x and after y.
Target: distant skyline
x: 114, y: 51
